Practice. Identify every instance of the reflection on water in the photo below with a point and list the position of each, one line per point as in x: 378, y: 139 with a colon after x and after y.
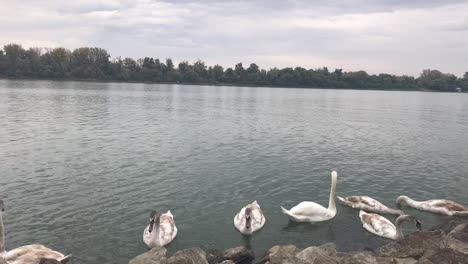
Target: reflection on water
x: 83, y: 164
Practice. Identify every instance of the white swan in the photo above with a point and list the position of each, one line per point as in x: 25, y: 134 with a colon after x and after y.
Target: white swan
x: 30, y: 254
x: 381, y: 226
x: 368, y: 204
x: 313, y: 212
x: 249, y: 219
x: 440, y: 206
x: 161, y: 230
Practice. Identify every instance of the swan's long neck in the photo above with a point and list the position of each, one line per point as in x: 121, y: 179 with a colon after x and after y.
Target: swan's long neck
x: 2, y: 234
x: 399, y: 222
x: 408, y: 201
x: 331, y: 202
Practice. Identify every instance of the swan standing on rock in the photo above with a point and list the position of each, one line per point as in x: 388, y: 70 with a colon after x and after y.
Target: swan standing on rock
x: 313, y: 212
x: 160, y: 231
x: 381, y: 226
x: 440, y: 206
x: 249, y: 219
x: 368, y: 204
x: 30, y: 254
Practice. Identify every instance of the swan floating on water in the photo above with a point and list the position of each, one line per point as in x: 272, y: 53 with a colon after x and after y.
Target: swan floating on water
x: 313, y: 212
x: 381, y: 226
x: 249, y: 219
x: 440, y: 206
x: 30, y: 254
x: 161, y: 230
x: 368, y: 204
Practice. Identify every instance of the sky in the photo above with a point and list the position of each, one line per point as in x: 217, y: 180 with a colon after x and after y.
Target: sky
x: 379, y: 36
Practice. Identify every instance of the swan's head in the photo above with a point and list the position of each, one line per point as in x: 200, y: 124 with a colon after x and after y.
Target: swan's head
x: 418, y: 224
x: 334, y: 175
x: 409, y: 218
x: 2, y: 206
x: 401, y: 198
x: 154, y: 219
x: 248, y: 217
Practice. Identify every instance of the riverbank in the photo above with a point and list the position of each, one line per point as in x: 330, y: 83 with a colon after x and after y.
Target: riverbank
x: 444, y: 244
x: 218, y: 84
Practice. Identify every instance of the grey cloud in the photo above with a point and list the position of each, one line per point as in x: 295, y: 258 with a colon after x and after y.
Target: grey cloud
x: 394, y: 36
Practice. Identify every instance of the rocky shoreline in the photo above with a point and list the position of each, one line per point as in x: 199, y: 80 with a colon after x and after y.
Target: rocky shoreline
x: 447, y: 244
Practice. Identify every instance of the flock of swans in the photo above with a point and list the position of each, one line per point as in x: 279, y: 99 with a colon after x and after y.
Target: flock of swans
x: 162, y: 229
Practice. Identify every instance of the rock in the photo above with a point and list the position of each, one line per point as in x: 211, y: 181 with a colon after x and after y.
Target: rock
x: 227, y: 262
x: 460, y: 232
x: 3, y: 261
x: 188, y: 256
x: 282, y: 255
x: 283, y: 251
x: 445, y: 226
x: 325, y: 254
x: 359, y: 257
x: 382, y: 260
x: 156, y: 255
x: 443, y: 256
x: 239, y: 255
x: 414, y: 245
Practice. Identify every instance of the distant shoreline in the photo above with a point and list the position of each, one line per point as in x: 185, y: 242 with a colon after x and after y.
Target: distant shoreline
x: 219, y: 84
x: 95, y: 64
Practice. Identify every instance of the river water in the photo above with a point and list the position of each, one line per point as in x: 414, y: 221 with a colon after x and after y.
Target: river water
x: 82, y: 164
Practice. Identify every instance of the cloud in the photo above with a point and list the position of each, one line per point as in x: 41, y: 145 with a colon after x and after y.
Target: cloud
x: 394, y: 36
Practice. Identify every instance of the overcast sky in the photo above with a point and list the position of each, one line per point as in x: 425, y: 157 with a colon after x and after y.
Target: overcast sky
x: 393, y: 36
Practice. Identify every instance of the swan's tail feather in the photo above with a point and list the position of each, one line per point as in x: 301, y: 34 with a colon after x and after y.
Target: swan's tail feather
x: 66, y: 259
x: 361, y: 213
x: 169, y: 214
x: 285, y: 211
x: 340, y: 198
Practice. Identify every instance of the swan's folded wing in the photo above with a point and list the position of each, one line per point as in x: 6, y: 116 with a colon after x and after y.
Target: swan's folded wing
x: 379, y: 225
x: 449, y: 205
x: 308, y: 209
x: 167, y: 229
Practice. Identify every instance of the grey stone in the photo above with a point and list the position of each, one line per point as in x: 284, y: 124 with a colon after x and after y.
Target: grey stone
x: 156, y: 255
x: 227, y: 262
x: 3, y: 261
x: 443, y: 256
x: 239, y: 255
x: 188, y: 256
x: 359, y: 257
x: 282, y: 255
x: 414, y: 245
x: 325, y: 254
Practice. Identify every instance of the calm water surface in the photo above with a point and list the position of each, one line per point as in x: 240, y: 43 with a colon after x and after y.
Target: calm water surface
x: 83, y: 164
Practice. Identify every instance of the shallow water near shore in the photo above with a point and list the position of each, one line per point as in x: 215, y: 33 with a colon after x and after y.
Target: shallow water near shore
x: 82, y: 164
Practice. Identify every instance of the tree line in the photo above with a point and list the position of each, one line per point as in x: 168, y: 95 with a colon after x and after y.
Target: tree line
x: 88, y: 63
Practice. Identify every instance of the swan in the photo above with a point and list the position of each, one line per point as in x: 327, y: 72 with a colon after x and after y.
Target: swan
x: 440, y: 206
x: 161, y: 230
x: 368, y: 204
x: 30, y: 254
x: 381, y: 226
x: 249, y: 219
x: 313, y: 212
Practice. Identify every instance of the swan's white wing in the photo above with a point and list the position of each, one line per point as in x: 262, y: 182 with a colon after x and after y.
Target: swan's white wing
x: 258, y: 220
x: 310, y: 209
x: 378, y: 225
x: 167, y: 230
